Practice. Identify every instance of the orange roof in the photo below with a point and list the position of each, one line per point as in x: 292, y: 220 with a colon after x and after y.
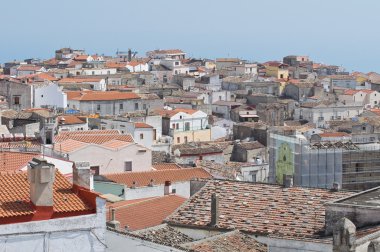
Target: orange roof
x: 101, y: 96
x: 354, y: 91
x: 159, y: 177
x: 115, y: 144
x: 14, y: 161
x: 70, y: 119
x: 69, y: 145
x: 142, y: 125
x: 81, y: 57
x: 145, y: 213
x: 93, y: 136
x: 166, y: 166
x: 112, y: 64
x: 334, y: 134
x: 15, y: 196
x: 28, y: 68
x: 171, y: 113
x: 135, y: 63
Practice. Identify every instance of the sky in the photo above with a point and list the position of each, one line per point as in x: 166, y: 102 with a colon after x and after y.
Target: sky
x: 339, y: 32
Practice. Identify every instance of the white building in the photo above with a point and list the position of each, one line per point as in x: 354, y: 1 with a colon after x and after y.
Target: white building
x: 49, y: 94
x: 322, y: 112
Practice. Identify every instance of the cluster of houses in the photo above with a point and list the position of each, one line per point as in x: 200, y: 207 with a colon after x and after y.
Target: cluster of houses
x: 170, y: 153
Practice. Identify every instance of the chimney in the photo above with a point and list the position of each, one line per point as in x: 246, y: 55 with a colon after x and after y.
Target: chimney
x: 167, y: 188
x: 41, y: 175
x: 113, y: 223
x: 129, y: 55
x: 335, y: 187
x: 82, y: 175
x: 214, y: 209
x: 287, y: 180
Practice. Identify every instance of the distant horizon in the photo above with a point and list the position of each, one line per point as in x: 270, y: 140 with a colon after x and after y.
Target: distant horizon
x: 340, y: 32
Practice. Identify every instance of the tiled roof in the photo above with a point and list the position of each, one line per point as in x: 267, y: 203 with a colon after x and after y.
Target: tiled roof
x: 70, y: 119
x: 232, y: 242
x: 251, y: 145
x: 166, y: 166
x: 93, y: 136
x: 28, y: 68
x: 15, y: 196
x: 164, y: 235
x: 115, y: 144
x: 170, y: 113
x: 14, y: 161
x: 146, y: 213
x: 334, y: 134
x: 102, y: 96
x: 142, y: 125
x: 265, y: 209
x: 159, y: 177
x: 354, y: 91
x: 189, y: 149
x: 69, y: 145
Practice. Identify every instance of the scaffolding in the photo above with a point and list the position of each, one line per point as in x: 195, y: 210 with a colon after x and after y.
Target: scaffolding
x: 353, y: 166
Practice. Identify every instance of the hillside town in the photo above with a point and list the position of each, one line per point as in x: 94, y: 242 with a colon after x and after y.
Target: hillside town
x: 161, y: 151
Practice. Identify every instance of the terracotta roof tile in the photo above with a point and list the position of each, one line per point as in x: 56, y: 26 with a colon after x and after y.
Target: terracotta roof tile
x: 234, y: 241
x: 93, y: 136
x: 159, y: 177
x: 15, y: 196
x: 142, y: 125
x: 170, y: 113
x: 146, y: 213
x: 265, y: 209
x: 334, y: 134
x: 70, y: 119
x: 166, y: 166
x: 69, y: 145
x: 14, y: 161
x: 115, y: 144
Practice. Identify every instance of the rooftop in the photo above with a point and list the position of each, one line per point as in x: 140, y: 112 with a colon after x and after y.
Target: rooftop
x: 14, y: 161
x: 15, y: 197
x: 100, y: 95
x: 145, y: 213
x: 265, y: 209
x: 159, y: 177
x: 166, y: 166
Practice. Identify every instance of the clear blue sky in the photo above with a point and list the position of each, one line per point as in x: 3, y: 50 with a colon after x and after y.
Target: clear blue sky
x: 341, y: 32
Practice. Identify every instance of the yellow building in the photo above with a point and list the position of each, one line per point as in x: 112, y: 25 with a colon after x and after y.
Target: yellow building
x: 277, y: 70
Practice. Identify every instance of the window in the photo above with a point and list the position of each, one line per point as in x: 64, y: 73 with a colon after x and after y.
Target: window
x: 178, y: 139
x: 173, y: 126
x: 128, y: 166
x: 253, y: 175
x: 141, y: 136
x: 98, y: 107
x: 177, y: 63
x: 93, y: 72
x: 175, y: 72
x: 364, y: 128
x: 121, y: 106
x: 42, y: 96
x: 187, y: 126
x: 136, y: 106
x: 95, y: 170
x: 16, y: 100
x: 144, y: 106
x: 185, y: 139
x: 180, y: 117
x: 177, y: 126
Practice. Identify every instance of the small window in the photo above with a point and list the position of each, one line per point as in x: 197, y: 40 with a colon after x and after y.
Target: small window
x: 177, y: 126
x: 180, y: 117
x: 141, y: 136
x: 128, y: 166
x: 173, y: 126
x: 136, y: 106
x: 364, y: 128
x: 121, y: 106
x: 185, y: 139
x: 98, y: 107
x: 42, y: 96
x: 144, y: 106
x: 177, y: 63
x: 16, y: 100
x: 178, y: 140
x: 93, y: 72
